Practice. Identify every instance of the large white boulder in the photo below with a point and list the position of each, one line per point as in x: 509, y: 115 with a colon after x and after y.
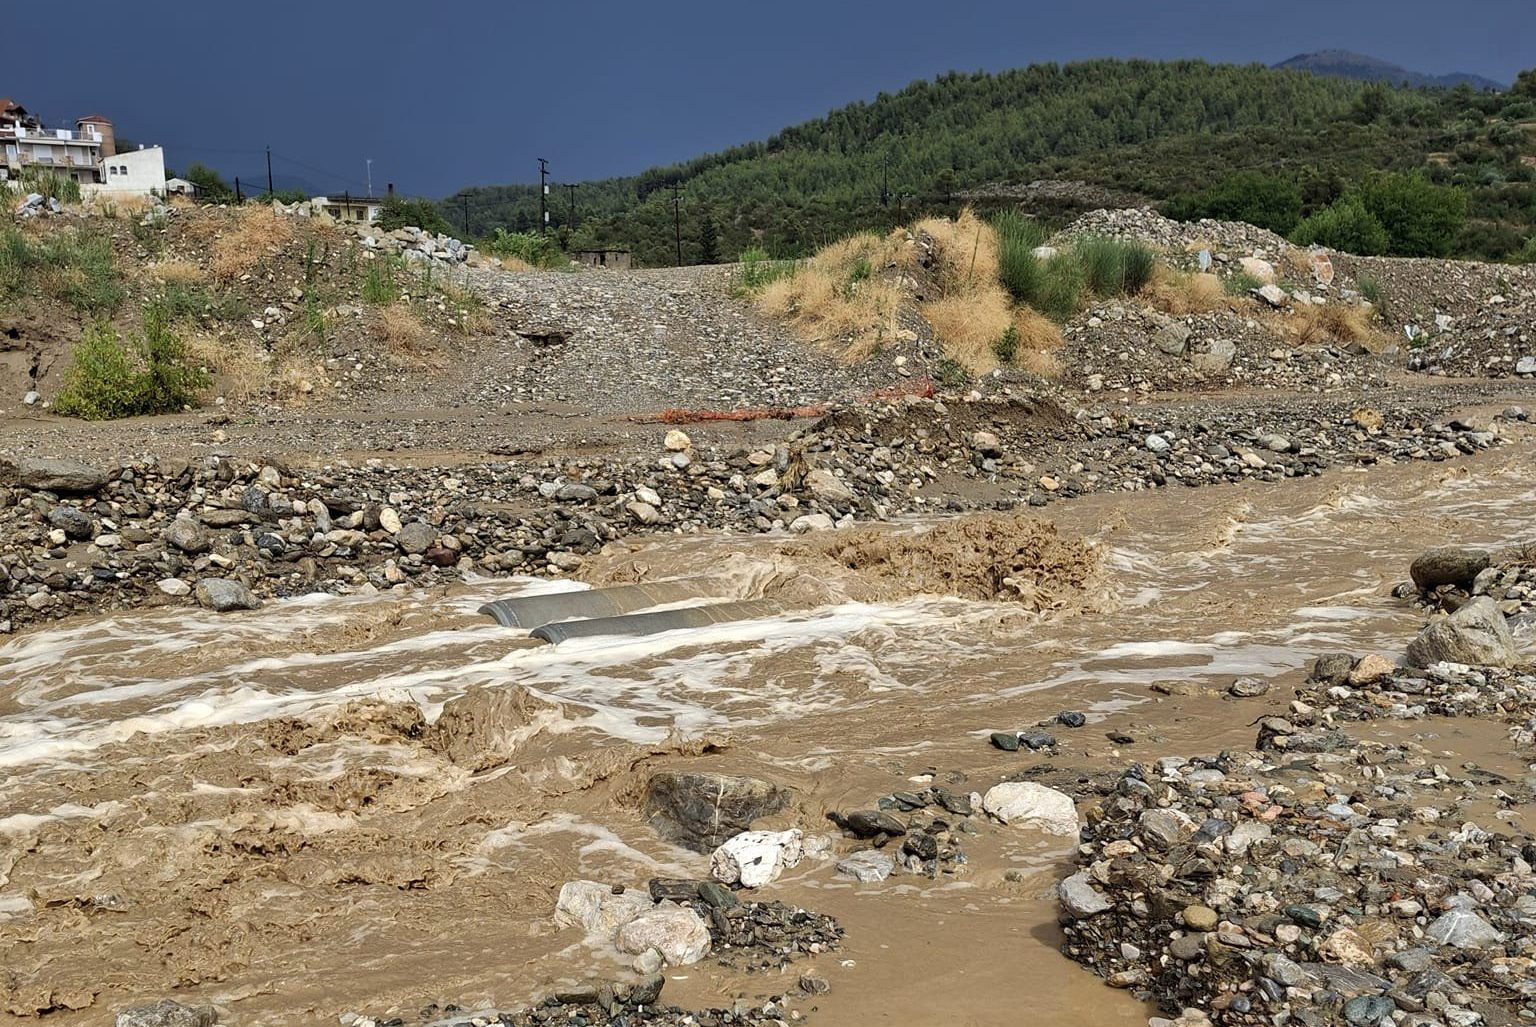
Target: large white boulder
x: 1028, y: 804
x: 754, y: 858
x: 678, y: 933
x: 597, y: 909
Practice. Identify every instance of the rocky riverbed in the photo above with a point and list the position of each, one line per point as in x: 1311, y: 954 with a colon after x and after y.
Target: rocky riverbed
x: 226, y: 531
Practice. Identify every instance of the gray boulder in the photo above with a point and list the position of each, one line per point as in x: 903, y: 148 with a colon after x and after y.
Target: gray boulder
x: 166, y: 1013
x: 703, y: 811
x: 188, y: 535
x: 53, y: 475
x: 1080, y: 898
x: 1448, y: 565
x: 416, y: 537
x: 1215, y: 357
x: 1463, y: 929
x: 1172, y: 337
x: 222, y: 595
x: 1476, y: 634
x: 75, y: 523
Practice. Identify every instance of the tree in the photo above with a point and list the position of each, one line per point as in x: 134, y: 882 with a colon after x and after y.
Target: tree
x: 1346, y: 226
x: 709, y: 240
x: 1421, y: 219
x: 944, y: 184
x: 1259, y: 199
x: 210, y: 187
x: 399, y: 212
x: 1525, y: 84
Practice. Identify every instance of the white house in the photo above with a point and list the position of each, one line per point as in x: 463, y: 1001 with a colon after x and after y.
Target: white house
x: 138, y: 172
x: 180, y: 187
x: 357, y: 209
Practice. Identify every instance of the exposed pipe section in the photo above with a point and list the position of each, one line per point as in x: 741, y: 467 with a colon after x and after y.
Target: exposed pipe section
x: 659, y: 620
x: 533, y: 611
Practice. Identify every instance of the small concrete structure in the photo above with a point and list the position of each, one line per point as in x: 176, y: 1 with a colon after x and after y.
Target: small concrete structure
x: 619, y: 259
x: 131, y: 173
x: 180, y: 187
x: 362, y: 210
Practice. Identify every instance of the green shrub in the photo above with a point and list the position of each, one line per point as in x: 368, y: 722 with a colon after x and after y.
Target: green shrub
x: 1241, y: 284
x: 1421, y: 219
x: 379, y: 284
x: 19, y: 258
x: 1007, y: 346
x: 149, y: 375
x: 1527, y: 253
x: 951, y: 374
x: 1018, y: 269
x: 148, y: 232
x: 529, y: 247
x: 398, y: 212
x: 78, y: 270
x: 758, y: 270
x: 1347, y: 226
x: 50, y: 184
x: 1062, y: 283
x: 314, y: 319
x: 1259, y: 199
x: 1371, y: 291
x: 1115, y: 267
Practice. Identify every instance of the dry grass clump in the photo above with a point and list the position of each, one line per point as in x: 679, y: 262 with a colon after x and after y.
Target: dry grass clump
x: 841, y: 296
x: 1298, y: 262
x: 1037, y: 343
x: 514, y: 264
x: 401, y: 331
x: 970, y: 324
x: 965, y: 250
x: 238, y: 369
x: 256, y: 232
x: 176, y: 272
x: 1178, y: 294
x: 1309, y: 324
x: 295, y: 375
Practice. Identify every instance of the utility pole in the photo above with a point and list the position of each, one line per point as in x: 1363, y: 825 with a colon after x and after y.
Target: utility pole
x: 543, y: 195
x: 465, y: 198
x: 238, y: 199
x: 270, y: 190
x: 571, y: 189
x: 677, y: 219
x: 369, y: 161
x: 885, y: 181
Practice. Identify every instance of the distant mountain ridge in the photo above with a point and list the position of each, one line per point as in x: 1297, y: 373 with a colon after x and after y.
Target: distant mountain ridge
x: 1348, y: 64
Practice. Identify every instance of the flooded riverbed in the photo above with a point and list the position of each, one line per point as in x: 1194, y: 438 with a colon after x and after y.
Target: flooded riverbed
x: 253, y: 811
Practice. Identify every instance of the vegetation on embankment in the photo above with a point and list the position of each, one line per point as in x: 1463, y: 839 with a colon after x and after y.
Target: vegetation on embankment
x: 988, y: 291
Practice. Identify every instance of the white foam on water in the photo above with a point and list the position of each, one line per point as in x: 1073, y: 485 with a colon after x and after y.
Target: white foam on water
x: 597, y: 852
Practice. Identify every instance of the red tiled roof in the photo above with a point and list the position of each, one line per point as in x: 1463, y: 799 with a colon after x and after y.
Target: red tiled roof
x: 95, y: 118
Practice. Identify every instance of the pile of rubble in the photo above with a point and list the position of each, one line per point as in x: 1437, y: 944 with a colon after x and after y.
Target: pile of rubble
x: 1117, y: 345
x: 1227, y: 241
x: 36, y: 205
x: 1346, y: 886
x: 410, y: 243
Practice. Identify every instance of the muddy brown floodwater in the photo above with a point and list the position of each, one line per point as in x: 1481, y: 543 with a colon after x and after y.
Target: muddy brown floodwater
x: 257, y: 811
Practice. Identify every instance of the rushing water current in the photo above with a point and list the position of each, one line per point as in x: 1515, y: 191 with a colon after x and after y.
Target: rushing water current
x: 165, y: 765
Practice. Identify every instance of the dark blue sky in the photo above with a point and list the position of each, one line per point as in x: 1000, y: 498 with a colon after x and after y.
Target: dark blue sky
x: 471, y: 92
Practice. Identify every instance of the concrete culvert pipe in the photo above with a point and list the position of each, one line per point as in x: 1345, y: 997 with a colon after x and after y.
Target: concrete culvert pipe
x: 658, y: 621
x: 532, y: 611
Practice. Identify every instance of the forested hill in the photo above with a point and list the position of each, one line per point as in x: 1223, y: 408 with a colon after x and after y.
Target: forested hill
x: 919, y: 147
x: 958, y: 130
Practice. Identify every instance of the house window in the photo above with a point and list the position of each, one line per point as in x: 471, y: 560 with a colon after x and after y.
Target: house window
x: 112, y: 169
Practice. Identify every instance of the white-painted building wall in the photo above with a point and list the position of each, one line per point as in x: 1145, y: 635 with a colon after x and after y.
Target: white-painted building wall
x: 135, y: 173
